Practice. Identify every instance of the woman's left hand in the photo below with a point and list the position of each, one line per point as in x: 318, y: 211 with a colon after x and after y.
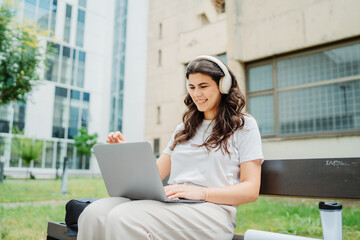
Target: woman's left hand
x: 181, y: 191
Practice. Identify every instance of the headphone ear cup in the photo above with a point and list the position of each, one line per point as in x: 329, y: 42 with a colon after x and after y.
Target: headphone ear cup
x: 225, y: 85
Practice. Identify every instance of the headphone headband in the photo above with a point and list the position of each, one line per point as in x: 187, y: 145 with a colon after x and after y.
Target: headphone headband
x: 225, y: 82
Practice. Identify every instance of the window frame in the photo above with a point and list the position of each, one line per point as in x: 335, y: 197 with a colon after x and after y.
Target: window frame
x: 275, y: 90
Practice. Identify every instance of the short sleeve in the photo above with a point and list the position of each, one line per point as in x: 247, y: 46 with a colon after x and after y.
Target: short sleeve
x: 167, y: 149
x: 248, y: 141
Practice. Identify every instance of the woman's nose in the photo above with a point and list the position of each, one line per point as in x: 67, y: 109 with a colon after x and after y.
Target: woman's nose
x: 197, y: 92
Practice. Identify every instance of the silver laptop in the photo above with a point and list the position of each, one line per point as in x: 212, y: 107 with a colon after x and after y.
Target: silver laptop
x: 129, y: 170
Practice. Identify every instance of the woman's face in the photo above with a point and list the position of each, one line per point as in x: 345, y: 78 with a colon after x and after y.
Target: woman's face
x: 205, y: 94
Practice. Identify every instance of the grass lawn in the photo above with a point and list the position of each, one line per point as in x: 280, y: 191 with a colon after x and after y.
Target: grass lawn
x: 290, y: 216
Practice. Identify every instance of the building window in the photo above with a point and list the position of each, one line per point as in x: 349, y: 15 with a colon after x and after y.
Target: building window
x: 72, y: 65
x: 49, y: 154
x: 67, y: 25
x: 52, y: 62
x: 43, y: 14
x: 80, y: 76
x: 159, y: 58
x: 160, y: 30
x: 5, y: 118
x: 312, y: 93
x: 19, y: 116
x: 53, y: 16
x: 30, y: 10
x: 80, y: 28
x: 157, y: 147
x: 158, y: 115
x: 12, y: 116
x: 75, y: 105
x: 70, y: 113
x: 60, y: 117
x: 3, y: 147
x: 66, y: 65
x: 85, y: 110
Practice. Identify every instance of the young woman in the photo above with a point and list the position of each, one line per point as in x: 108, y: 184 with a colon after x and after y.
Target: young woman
x: 215, y: 155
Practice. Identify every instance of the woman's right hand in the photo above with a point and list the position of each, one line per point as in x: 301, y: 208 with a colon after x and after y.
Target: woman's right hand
x: 115, y: 137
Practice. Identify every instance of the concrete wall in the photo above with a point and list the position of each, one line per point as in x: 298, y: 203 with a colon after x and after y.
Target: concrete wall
x: 264, y: 28
x: 189, y: 28
x: 261, y: 29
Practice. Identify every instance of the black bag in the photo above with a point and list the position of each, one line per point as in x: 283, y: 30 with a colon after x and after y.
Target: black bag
x: 73, y: 209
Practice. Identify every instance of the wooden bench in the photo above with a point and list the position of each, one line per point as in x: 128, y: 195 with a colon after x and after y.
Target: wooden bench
x: 326, y: 178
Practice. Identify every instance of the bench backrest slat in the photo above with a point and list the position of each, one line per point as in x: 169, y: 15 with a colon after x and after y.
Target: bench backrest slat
x: 323, y: 178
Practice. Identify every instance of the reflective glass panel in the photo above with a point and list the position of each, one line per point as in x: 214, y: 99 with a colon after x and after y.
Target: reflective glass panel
x: 61, y: 112
x: 53, y: 17
x: 52, y: 62
x: 60, y: 154
x: 66, y: 66
x: 331, y: 64
x: 85, y: 110
x: 3, y: 145
x: 30, y: 10
x: 67, y: 25
x: 43, y: 14
x: 262, y: 108
x: 49, y: 154
x: 5, y: 117
x: 19, y: 116
x: 81, y: 69
x: 70, y: 155
x: 80, y: 28
x: 74, y: 67
x: 75, y: 106
x: 14, y: 155
x: 326, y: 108
x: 260, y: 78
x: 38, y: 160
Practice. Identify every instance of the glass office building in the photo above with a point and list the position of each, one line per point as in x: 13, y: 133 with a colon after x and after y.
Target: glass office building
x: 74, y: 86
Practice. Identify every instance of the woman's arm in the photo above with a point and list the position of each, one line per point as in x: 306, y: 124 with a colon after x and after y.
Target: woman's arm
x: 245, y: 191
x: 164, y: 165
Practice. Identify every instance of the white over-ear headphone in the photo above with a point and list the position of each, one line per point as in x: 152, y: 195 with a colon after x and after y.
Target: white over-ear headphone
x: 225, y: 81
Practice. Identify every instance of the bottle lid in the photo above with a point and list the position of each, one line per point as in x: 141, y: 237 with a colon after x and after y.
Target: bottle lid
x: 330, y: 206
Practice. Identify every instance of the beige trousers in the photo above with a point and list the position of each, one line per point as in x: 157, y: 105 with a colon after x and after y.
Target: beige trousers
x: 119, y: 218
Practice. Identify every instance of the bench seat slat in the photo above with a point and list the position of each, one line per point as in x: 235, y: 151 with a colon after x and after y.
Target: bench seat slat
x: 320, y: 178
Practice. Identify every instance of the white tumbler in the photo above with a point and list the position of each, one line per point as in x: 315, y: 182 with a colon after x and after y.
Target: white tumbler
x: 331, y: 220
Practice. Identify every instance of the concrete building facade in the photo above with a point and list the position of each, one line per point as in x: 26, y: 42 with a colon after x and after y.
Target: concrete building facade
x: 178, y: 31
x: 297, y: 62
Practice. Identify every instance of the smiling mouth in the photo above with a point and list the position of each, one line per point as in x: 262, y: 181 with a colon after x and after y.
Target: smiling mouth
x: 201, y: 101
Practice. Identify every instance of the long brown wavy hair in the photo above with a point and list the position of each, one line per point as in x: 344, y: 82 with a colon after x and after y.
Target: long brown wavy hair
x: 228, y: 119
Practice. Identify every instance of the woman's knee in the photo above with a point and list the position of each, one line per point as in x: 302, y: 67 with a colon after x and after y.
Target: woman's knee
x: 99, y: 209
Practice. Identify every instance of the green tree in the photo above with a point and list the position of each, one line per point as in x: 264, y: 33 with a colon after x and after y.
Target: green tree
x: 20, y: 56
x: 84, y: 142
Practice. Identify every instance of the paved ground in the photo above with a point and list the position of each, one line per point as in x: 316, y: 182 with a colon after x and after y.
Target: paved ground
x: 35, y: 204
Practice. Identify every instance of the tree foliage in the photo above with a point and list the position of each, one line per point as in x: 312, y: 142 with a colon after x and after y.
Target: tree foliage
x: 20, y: 57
x: 84, y: 142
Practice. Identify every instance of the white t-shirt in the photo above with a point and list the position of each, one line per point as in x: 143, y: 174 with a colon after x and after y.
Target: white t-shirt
x: 197, y: 165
